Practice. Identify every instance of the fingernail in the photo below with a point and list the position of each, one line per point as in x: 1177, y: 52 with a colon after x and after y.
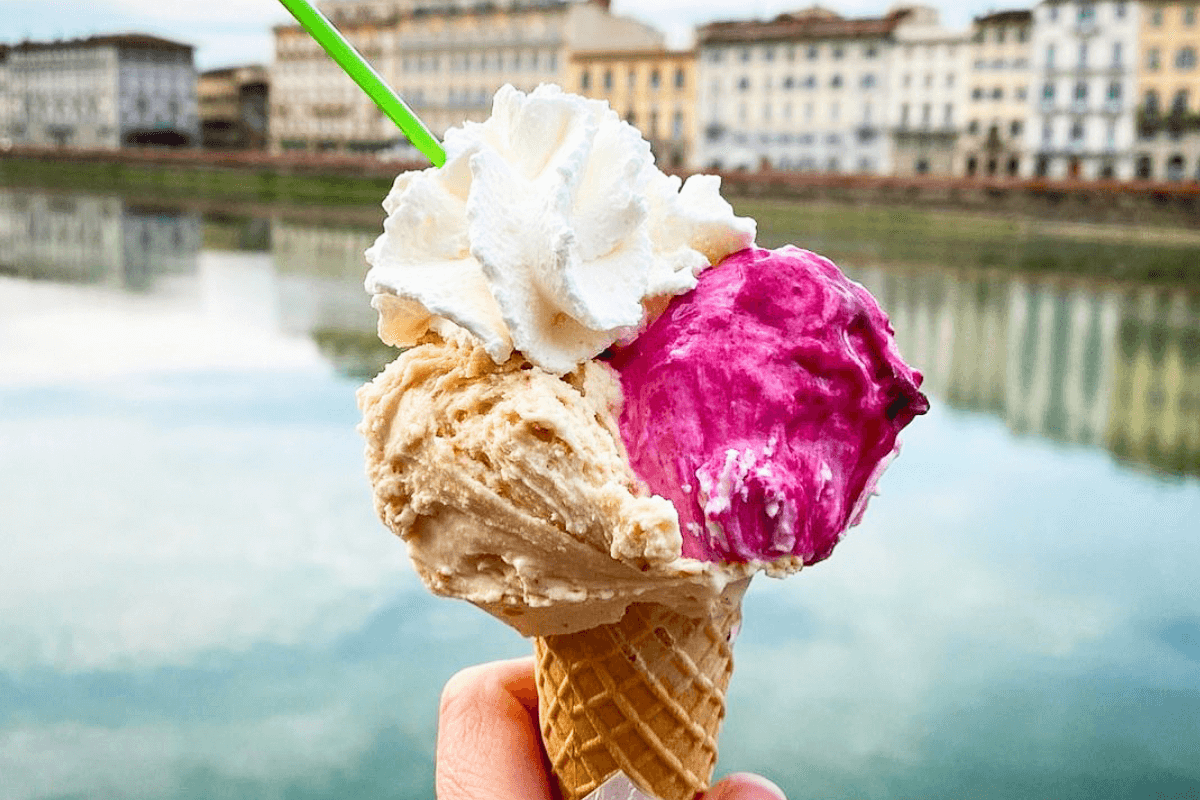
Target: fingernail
x: 745, y: 786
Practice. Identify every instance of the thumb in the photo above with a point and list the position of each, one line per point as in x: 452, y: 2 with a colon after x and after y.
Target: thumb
x: 744, y: 786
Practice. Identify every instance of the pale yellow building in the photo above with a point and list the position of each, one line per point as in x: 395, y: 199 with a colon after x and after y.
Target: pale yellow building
x: 654, y: 90
x: 1168, y: 92
x: 998, y: 79
x: 446, y: 59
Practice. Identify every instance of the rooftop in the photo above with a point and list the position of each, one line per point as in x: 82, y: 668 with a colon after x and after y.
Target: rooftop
x: 812, y: 23
x: 142, y: 41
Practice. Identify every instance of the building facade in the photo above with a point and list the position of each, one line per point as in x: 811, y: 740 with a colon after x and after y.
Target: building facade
x: 1081, y: 98
x: 1168, y: 92
x: 103, y: 92
x: 804, y: 91
x: 654, y: 90
x: 926, y: 95
x: 445, y: 59
x: 232, y: 104
x: 997, y: 106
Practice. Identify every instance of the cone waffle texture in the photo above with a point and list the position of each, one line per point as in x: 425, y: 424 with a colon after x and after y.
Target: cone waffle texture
x: 645, y: 696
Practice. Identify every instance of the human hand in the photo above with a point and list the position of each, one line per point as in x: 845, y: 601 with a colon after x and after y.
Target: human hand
x: 489, y: 746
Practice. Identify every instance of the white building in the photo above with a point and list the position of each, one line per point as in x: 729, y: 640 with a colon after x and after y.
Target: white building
x: 7, y: 101
x: 927, y: 94
x: 804, y: 91
x: 998, y: 79
x: 446, y: 58
x: 103, y: 91
x: 1082, y: 97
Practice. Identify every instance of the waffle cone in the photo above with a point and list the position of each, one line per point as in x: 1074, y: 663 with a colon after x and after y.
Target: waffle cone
x: 644, y: 696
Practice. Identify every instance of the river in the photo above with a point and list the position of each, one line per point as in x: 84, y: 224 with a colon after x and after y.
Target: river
x: 197, y: 600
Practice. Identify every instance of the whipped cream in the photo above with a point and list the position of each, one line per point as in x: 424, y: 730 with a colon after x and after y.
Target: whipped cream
x: 549, y: 230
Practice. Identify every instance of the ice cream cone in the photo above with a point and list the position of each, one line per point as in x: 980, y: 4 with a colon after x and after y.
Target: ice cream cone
x: 644, y: 696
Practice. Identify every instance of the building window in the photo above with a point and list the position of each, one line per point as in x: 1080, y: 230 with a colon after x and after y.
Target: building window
x: 810, y: 82
x: 745, y: 54
x: 1022, y: 34
x: 1047, y: 132
x: 1080, y: 91
x: 868, y: 81
x: 655, y: 78
x: 1087, y: 13
x: 680, y: 79
x: 870, y: 51
x: 973, y: 127
x: 585, y: 80
x: 977, y: 93
x: 1152, y: 58
x: 1083, y: 53
x: 1077, y: 131
x: 836, y: 82
x: 997, y: 93
x: 1050, y: 52
x: 948, y: 115
x: 608, y: 79
x: 631, y: 78
x: 904, y: 115
x: 1014, y: 128
x: 1179, y: 104
x: 1156, y: 17
x: 926, y: 114
x: 837, y: 52
x: 1048, y: 92
x: 743, y: 84
x: 714, y: 56
x: 1114, y: 91
x: 1189, y: 16
x: 812, y: 52
x: 1185, y: 58
x: 789, y: 82
x: 769, y: 54
x: 1150, y: 103
x: 677, y: 125
x: 1022, y: 92
x: 1121, y: 10
x: 1054, y: 13
x: 1116, y: 54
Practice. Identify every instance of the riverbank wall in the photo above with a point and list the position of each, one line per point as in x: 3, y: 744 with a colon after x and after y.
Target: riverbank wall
x: 341, y: 180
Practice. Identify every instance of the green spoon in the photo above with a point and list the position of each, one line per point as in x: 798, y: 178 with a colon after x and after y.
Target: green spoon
x: 349, y: 59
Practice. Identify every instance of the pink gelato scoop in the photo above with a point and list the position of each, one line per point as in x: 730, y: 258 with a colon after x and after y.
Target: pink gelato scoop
x: 765, y: 404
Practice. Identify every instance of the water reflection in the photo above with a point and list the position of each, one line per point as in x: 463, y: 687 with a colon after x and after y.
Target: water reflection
x: 197, y: 600
x: 85, y: 239
x: 320, y: 283
x: 1105, y: 364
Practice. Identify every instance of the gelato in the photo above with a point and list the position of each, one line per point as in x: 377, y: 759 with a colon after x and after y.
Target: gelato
x: 764, y: 405
x: 611, y: 411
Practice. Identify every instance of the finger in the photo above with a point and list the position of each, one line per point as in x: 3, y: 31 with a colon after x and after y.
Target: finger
x: 744, y: 786
x: 488, y: 745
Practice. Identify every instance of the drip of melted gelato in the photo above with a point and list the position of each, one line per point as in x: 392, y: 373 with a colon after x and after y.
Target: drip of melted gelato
x: 765, y: 405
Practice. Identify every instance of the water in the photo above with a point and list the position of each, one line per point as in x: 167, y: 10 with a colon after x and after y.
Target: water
x: 197, y: 601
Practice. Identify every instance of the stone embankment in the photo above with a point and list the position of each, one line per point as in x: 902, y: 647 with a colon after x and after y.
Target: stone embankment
x: 217, y: 172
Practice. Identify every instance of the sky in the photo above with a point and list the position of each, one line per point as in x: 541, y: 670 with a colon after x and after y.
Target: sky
x: 231, y: 32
